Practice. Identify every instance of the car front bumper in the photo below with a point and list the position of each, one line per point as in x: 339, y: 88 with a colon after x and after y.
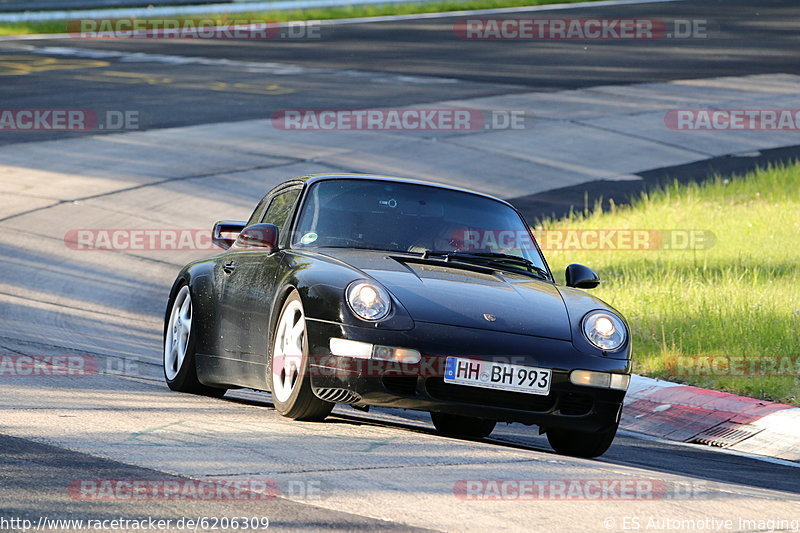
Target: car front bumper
x: 421, y: 386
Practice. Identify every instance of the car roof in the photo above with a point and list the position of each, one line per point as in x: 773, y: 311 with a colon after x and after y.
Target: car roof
x: 313, y: 178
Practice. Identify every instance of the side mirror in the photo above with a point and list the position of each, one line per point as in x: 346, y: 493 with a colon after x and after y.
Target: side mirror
x: 263, y: 236
x: 226, y: 226
x: 581, y: 277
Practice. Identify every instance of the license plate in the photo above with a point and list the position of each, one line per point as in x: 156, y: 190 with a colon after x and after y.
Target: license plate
x: 500, y: 376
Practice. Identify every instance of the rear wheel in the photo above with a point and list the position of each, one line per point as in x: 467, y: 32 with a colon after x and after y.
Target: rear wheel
x: 462, y: 426
x: 581, y: 443
x: 180, y: 372
x: 288, y: 366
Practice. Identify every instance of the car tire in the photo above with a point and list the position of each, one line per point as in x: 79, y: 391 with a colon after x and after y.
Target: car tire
x: 462, y: 426
x: 288, y: 366
x: 581, y: 443
x: 179, y: 367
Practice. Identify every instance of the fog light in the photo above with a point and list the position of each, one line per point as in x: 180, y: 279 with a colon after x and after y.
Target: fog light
x: 590, y: 379
x: 620, y: 381
x: 348, y: 348
x: 401, y: 355
x: 603, y: 380
x: 365, y: 350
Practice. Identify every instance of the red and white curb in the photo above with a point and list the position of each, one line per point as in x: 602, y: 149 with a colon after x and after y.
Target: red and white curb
x: 690, y: 414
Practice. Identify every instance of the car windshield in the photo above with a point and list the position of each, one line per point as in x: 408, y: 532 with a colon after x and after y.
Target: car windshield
x: 405, y: 217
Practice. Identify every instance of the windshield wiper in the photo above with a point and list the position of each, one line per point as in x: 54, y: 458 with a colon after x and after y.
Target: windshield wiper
x: 491, y: 258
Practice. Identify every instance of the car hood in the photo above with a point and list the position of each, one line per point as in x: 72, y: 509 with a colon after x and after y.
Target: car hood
x: 444, y: 294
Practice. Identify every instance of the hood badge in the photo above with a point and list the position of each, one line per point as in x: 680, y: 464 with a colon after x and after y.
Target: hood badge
x: 489, y: 317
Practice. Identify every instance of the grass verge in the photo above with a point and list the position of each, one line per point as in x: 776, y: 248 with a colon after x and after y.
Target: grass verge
x: 740, y: 297
x: 326, y: 13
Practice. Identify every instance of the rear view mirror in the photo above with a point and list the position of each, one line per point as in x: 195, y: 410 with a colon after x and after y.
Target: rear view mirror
x: 258, y: 236
x: 226, y: 226
x: 581, y: 277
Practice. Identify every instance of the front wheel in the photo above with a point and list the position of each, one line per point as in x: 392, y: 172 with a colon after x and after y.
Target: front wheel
x: 288, y: 366
x: 462, y: 426
x: 180, y: 372
x: 581, y: 443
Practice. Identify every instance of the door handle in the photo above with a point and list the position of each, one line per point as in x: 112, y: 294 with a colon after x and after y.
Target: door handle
x: 229, y: 267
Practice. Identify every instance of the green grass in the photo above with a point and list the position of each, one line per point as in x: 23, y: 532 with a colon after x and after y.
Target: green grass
x: 349, y: 11
x: 739, y: 297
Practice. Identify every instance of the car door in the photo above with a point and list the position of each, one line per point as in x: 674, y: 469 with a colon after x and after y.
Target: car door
x: 248, y: 289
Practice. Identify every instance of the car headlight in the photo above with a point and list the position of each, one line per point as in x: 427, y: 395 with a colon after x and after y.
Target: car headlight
x: 368, y: 301
x: 604, y: 330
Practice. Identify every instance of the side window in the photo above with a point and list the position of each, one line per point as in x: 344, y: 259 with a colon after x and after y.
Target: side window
x: 280, y: 208
x: 259, y: 210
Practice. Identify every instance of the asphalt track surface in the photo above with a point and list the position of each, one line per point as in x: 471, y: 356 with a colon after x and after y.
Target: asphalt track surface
x: 396, y: 63
x: 57, y: 431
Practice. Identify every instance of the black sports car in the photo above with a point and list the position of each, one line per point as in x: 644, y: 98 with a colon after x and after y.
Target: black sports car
x: 380, y: 291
